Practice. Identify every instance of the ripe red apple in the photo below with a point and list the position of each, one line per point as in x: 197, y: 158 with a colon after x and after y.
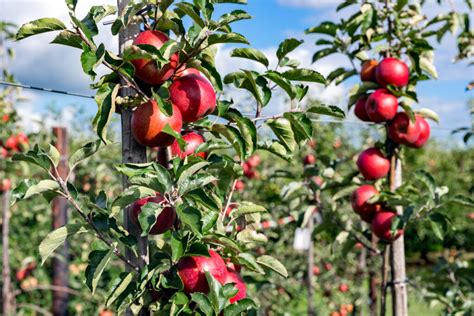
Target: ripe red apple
x: 188, y: 71
x: 164, y: 221
x: 191, y: 270
x: 233, y: 276
x: 5, y: 118
x: 194, y: 96
x: 392, y: 71
x: 5, y: 185
x: 360, y: 109
x: 106, y: 312
x: 335, y: 313
x: 424, y: 133
x: 231, y: 207
x: 22, y: 138
x: 232, y: 266
x: 359, y: 246
x: 381, y: 106
x: 309, y: 159
x: 312, y: 143
x: 11, y: 143
x: 318, y: 180
x: 367, y: 72
x: 361, y: 206
x: 239, y: 185
x: 148, y: 123
x: 316, y: 270
x: 327, y: 266
x: 343, y: 288
x: 253, y: 161
x: 402, y: 130
x: 146, y: 69
x: 193, y: 140
x: 382, y: 224
x: 3, y: 152
x: 373, y: 164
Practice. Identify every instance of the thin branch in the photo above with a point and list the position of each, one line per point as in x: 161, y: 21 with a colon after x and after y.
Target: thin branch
x: 383, y: 288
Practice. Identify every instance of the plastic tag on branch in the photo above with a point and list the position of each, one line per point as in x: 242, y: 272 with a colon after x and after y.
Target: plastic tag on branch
x: 302, y: 239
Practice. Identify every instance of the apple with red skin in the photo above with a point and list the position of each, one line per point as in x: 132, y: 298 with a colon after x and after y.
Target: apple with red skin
x: 5, y: 185
x: 12, y: 143
x: 248, y: 170
x: 22, y: 138
x: 309, y: 159
x: 381, y: 106
x: 392, y: 71
x: 254, y: 161
x: 360, y: 205
x: 148, y: 123
x: 359, y: 246
x: 3, y: 152
x: 373, y: 164
x: 425, y: 131
x: 193, y: 140
x: 106, y: 312
x: 316, y: 270
x: 312, y: 143
x: 360, y: 109
x: 194, y: 96
x: 188, y: 71
x: 382, y: 225
x: 233, y: 266
x: 229, y: 209
x: 327, y: 266
x: 164, y: 221
x: 146, y: 69
x: 233, y: 276
x: 191, y: 270
x: 239, y: 185
x: 402, y: 130
x: 343, y: 288
x: 5, y: 118
x: 367, y: 72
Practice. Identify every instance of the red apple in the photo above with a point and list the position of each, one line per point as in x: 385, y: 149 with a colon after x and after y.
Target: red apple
x: 231, y: 207
x: 11, y: 143
x: 233, y: 266
x: 193, y: 140
x: 367, y: 72
x: 106, y: 312
x: 309, y: 159
x: 335, y: 313
x: 373, y: 164
x: 191, y: 270
x: 361, y: 206
x: 188, y: 71
x: 194, y: 96
x: 164, y: 221
x: 234, y: 277
x: 359, y: 246
x: 5, y: 185
x: 402, y: 130
x: 381, y: 106
x: 343, y: 288
x: 3, y: 152
x: 253, y: 161
x: 360, y: 109
x: 146, y: 69
x: 148, y: 123
x: 22, y: 138
x: 312, y: 143
x: 239, y: 185
x: 327, y: 266
x: 316, y: 270
x: 5, y: 118
x: 424, y: 133
x: 382, y: 225
x: 392, y: 71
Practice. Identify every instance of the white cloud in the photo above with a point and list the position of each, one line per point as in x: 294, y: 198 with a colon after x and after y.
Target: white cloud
x: 308, y: 3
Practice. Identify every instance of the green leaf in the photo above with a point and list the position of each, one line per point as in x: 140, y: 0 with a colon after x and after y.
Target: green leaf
x: 191, y: 11
x: 233, y: 16
x: 277, y: 149
x: 247, y: 207
x: 462, y: 200
x: 83, y: 153
x: 273, y: 264
x: 252, y: 54
x: 345, y: 4
x: 56, y: 238
x: 178, y: 246
x: 283, y: 83
x: 240, y: 307
x: 197, y: 181
x: 35, y: 156
x: 283, y: 131
x: 41, y: 187
x: 148, y: 215
x: 427, y: 179
x: 287, y: 46
x: 300, y: 124
x: 232, y: 134
x: 68, y: 38
x: 329, y: 110
x: 105, y: 98
x: 227, y: 38
x: 328, y: 28
x: 122, y: 287
x: 248, y: 260
x: 186, y: 171
x: 39, y: 26
x: 221, y: 240
x: 54, y: 155
x: 98, y: 260
x: 428, y: 113
x: 258, y: 86
x: 323, y: 53
x: 203, y: 302
x: 129, y: 196
x: 247, y: 129
x: 251, y: 236
x: 191, y: 217
x: 307, y: 75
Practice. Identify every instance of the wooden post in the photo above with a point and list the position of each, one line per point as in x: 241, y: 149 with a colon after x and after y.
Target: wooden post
x: 6, y: 274
x: 399, y: 277
x: 373, y: 294
x: 132, y: 152
x: 59, y: 219
x: 310, y: 268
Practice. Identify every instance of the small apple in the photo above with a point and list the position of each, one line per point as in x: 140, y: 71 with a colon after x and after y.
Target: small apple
x: 253, y: 161
x: 5, y: 185
x: 5, y: 118
x: 188, y: 71
x: 148, y: 123
x: 312, y: 143
x: 239, y: 185
x: 381, y: 106
x: 22, y: 138
x: 316, y: 270
x: 367, y: 72
x: 350, y: 308
x: 231, y: 207
x: 194, y: 96
x: 382, y: 225
x: 234, y: 277
x: 248, y: 170
x: 373, y: 164
x: 360, y: 202
x: 392, y: 71
x: 402, y: 130
x: 327, y: 266
x: 164, y: 221
x: 335, y: 313
x: 309, y: 159
x: 106, y: 312
x: 191, y: 270
x: 359, y: 246
x: 343, y: 288
x: 424, y: 133
x: 3, y: 152
x: 146, y: 69
x: 193, y: 140
x: 11, y: 143
x: 360, y: 109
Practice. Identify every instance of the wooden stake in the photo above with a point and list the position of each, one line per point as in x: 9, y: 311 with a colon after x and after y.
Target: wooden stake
x: 60, y: 273
x: 6, y: 273
x: 373, y: 293
x: 311, y: 311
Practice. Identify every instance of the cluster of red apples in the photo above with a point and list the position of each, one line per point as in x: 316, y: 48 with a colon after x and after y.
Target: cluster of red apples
x: 381, y: 107
x: 192, y: 97
x: 13, y: 144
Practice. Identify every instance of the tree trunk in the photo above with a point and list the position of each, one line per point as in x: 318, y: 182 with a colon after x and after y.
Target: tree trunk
x: 310, y: 269
x: 373, y: 297
x: 6, y: 275
x: 59, y: 219
x: 132, y: 152
x: 399, y: 287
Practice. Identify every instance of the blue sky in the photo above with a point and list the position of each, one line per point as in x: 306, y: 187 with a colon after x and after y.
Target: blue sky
x: 52, y: 66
